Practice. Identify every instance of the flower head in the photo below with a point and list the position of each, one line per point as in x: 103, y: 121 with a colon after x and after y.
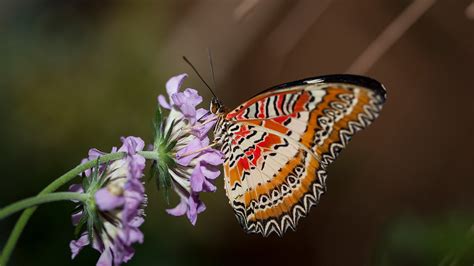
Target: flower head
x: 185, y: 159
x: 114, y: 213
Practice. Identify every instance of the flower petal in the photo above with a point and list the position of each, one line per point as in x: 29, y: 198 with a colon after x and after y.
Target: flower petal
x: 196, y: 206
x: 132, y: 144
x: 94, y: 153
x: 207, y: 186
x: 173, y: 84
x: 201, y: 207
x: 197, y: 179
x: 134, y: 204
x: 87, y: 172
x: 186, y: 154
x: 76, y: 188
x: 210, y: 171
x: 128, y: 253
x: 192, y: 97
x: 189, y: 97
x: 213, y: 157
x: 180, y: 209
x: 186, y: 102
x: 163, y: 102
x: 77, y: 245
x: 107, y: 201
x: 137, y: 222
x: 189, y: 113
x: 106, y: 258
x: 202, y: 113
x: 76, y: 217
x: 200, y: 130
x: 135, y: 235
x: 136, y: 166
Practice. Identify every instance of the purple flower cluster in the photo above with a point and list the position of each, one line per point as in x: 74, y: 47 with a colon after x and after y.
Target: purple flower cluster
x: 115, y: 210
x: 196, y: 161
x: 120, y: 198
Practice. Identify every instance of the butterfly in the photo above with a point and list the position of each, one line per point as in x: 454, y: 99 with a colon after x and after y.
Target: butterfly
x: 278, y: 145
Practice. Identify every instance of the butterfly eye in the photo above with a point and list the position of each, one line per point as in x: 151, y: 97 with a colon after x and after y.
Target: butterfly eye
x: 213, y: 108
x: 216, y: 106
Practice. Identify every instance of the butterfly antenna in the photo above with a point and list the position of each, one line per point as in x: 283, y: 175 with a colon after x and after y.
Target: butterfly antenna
x: 212, y: 67
x: 199, y: 75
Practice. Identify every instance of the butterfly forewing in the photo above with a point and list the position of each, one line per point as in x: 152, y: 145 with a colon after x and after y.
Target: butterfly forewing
x: 278, y: 144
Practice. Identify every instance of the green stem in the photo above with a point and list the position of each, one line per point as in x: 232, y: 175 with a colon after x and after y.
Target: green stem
x: 40, y: 199
x: 149, y: 155
x: 25, y: 216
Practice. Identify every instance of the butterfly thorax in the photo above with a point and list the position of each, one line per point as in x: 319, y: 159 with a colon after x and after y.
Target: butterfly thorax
x: 218, y: 109
x: 220, y: 130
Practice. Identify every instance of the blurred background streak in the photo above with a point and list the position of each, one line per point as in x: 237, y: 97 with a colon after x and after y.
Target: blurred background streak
x: 79, y: 74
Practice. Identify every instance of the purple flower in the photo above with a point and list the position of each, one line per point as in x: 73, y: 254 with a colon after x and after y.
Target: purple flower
x: 190, y: 205
x: 205, y: 121
x: 196, y: 162
x: 183, y: 104
x: 206, y: 171
x: 120, y: 198
x: 205, y: 163
x: 172, y: 87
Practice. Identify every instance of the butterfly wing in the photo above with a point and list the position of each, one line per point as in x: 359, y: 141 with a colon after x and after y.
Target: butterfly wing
x: 278, y: 144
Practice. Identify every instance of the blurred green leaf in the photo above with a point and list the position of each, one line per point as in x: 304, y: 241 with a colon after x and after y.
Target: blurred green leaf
x: 443, y: 241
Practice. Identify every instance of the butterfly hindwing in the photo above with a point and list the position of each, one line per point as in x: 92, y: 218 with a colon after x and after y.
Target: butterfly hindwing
x: 278, y: 145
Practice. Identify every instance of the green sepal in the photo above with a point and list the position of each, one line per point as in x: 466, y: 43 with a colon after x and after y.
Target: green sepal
x: 153, y: 173
x: 163, y: 146
x: 168, y: 134
x: 163, y: 180
x: 85, y: 182
x: 80, y: 225
x: 95, y: 172
x: 158, y: 121
x: 90, y: 228
x: 170, y: 146
x: 103, y: 176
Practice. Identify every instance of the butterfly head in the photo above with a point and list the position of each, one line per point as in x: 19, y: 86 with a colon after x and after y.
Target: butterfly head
x: 217, y: 107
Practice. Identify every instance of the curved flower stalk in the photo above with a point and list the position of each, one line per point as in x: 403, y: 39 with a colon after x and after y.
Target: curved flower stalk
x: 114, y: 213
x: 186, y: 161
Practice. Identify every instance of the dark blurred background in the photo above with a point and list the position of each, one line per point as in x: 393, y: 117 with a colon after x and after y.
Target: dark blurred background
x: 80, y: 74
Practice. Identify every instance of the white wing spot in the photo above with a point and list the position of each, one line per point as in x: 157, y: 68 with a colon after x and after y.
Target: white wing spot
x: 313, y: 81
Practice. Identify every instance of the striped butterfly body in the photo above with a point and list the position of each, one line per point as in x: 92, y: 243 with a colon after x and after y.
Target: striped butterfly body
x: 278, y: 144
